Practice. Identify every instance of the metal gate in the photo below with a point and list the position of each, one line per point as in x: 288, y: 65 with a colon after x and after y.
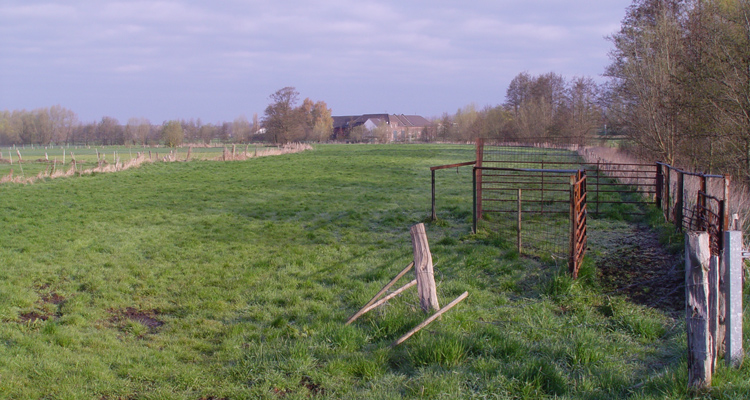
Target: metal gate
x: 578, y: 238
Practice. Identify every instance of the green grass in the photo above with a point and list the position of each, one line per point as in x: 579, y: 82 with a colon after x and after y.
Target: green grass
x: 86, y: 156
x: 233, y: 280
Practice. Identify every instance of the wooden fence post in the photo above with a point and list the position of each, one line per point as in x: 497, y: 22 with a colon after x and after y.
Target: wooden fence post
x: 713, y: 310
x: 733, y: 279
x: 423, y: 269
x: 434, y: 216
x: 697, y: 258
x: 474, y: 202
x: 679, y: 202
x: 659, y: 185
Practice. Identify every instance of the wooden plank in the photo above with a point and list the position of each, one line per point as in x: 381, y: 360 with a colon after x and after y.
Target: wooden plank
x: 429, y: 320
x: 380, y: 302
x: 380, y: 293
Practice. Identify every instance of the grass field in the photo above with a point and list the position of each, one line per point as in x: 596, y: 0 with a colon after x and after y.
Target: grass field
x: 86, y: 156
x: 208, y: 280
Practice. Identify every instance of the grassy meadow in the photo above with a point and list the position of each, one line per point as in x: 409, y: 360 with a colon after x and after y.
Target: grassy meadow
x: 233, y: 280
x: 38, y: 159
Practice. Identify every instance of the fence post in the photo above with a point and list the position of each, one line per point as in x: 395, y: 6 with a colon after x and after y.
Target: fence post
x: 678, y: 205
x: 474, y: 202
x: 434, y: 217
x: 713, y: 310
x: 598, y: 172
x: 659, y: 185
x: 725, y: 210
x: 478, y: 176
x: 733, y: 278
x: 697, y: 256
x: 519, y: 221
x: 667, y: 191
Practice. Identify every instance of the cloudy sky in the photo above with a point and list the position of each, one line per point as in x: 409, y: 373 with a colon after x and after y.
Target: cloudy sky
x: 217, y: 60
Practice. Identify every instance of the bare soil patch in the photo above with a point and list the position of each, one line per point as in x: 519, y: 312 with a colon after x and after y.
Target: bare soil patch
x: 146, y: 317
x: 639, y: 267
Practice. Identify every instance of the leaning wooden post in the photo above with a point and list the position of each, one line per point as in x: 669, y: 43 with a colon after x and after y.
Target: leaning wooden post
x: 697, y: 256
x: 423, y: 269
x: 380, y: 293
x: 429, y: 320
x: 733, y: 279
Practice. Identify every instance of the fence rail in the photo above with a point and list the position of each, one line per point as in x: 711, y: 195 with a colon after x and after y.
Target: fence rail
x: 609, y: 183
x: 694, y: 201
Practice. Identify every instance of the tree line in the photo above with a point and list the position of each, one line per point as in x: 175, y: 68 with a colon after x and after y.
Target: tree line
x: 284, y: 121
x: 61, y: 126
x: 680, y: 83
x: 544, y: 107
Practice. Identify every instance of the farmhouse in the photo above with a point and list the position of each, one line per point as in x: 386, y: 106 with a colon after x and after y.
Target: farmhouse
x: 394, y: 128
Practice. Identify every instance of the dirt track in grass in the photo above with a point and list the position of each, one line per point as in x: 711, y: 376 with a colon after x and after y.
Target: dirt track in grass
x: 637, y: 265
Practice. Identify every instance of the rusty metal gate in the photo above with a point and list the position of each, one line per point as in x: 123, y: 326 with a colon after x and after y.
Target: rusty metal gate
x: 708, y: 217
x: 694, y: 201
x: 578, y: 238
x: 549, y: 204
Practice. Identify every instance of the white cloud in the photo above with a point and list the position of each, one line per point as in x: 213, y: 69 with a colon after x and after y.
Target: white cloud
x: 238, y: 43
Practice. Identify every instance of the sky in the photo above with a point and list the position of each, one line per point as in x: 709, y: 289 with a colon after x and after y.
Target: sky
x: 217, y: 60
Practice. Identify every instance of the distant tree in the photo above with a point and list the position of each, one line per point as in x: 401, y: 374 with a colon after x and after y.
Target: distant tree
x: 224, y: 132
x: 358, y: 134
x: 319, y: 123
x: 241, y: 129
x: 282, y: 120
x: 137, y: 130
x: 382, y: 133
x: 256, y: 125
x: 63, y: 122
x: 172, y: 133
x: 109, y: 131
x: 207, y: 133
x: 191, y: 128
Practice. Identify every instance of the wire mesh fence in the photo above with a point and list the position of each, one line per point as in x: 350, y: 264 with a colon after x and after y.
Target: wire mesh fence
x: 532, y: 203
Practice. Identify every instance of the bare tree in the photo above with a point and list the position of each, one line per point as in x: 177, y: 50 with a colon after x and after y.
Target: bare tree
x: 645, y: 63
x: 281, y: 118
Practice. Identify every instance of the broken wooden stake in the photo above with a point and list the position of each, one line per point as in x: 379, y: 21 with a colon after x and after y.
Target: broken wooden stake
x: 380, y: 302
x: 380, y: 293
x: 429, y: 320
x: 423, y: 269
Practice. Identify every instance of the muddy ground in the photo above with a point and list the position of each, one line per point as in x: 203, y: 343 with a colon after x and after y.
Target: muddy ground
x: 631, y: 261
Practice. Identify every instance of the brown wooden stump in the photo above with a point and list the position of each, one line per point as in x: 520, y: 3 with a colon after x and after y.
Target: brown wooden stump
x: 423, y: 269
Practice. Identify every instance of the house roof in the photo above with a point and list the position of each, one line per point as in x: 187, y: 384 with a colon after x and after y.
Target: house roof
x: 411, y: 120
x: 350, y: 121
